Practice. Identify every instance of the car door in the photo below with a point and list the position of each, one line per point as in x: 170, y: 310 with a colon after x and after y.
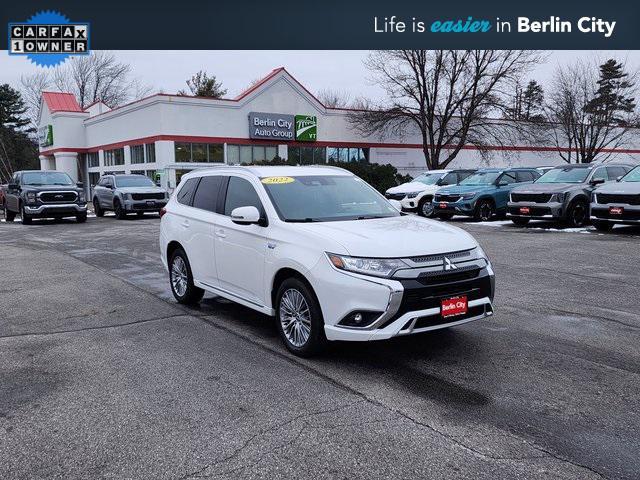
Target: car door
x: 241, y: 249
x: 198, y: 202
x: 502, y: 191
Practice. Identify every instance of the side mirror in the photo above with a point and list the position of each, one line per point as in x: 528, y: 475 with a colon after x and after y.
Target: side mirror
x: 597, y: 181
x: 245, y: 215
x: 12, y: 186
x: 503, y: 184
x: 79, y: 184
x: 396, y: 204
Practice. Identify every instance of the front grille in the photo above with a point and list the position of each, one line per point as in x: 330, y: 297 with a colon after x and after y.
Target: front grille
x: 433, y: 320
x: 618, y: 198
x: 439, y: 257
x: 462, y: 273
x: 395, y: 196
x: 58, y: 197
x: 531, y: 197
x: 446, y: 198
x: 147, y: 196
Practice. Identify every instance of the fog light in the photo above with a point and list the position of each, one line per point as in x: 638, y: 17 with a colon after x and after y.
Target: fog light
x: 359, y: 319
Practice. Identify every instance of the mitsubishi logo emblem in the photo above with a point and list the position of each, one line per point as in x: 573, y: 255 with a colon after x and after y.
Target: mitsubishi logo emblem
x: 448, y: 264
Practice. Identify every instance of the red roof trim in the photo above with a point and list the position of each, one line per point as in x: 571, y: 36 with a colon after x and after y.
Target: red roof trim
x: 247, y: 141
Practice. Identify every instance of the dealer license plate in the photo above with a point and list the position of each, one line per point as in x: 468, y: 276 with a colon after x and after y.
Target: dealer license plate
x: 443, y: 205
x: 525, y: 210
x: 452, y: 307
x: 151, y: 203
x: 616, y: 210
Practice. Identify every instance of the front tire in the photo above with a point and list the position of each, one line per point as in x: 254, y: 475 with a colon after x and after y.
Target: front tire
x: 81, y: 217
x: 25, y: 217
x: 602, y: 225
x: 520, y: 222
x: 485, y: 210
x: 425, y: 208
x: 181, y: 279
x: 120, y: 212
x: 8, y: 215
x: 577, y: 214
x: 299, y: 318
x: 97, y: 208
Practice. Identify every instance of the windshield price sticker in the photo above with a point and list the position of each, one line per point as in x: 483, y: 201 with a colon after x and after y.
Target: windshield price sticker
x: 277, y: 180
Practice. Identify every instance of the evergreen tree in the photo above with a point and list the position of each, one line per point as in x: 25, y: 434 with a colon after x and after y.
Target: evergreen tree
x: 17, y: 149
x: 12, y: 109
x: 611, y: 101
x: 532, y: 102
x: 203, y: 85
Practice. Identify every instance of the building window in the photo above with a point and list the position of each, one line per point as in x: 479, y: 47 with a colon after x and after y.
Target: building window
x: 344, y: 154
x: 239, y: 154
x: 150, y: 149
x: 137, y: 153
x: 93, y: 178
x: 93, y: 159
x: 152, y: 175
x: 199, y: 152
x: 137, y: 172
x: 114, y: 157
x: 307, y: 155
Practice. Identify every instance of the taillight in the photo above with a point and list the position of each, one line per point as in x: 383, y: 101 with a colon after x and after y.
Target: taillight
x: 163, y: 210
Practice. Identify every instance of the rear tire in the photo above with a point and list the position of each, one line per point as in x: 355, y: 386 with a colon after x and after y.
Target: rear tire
x: 485, y: 210
x: 97, y: 208
x: 181, y: 279
x: 425, y: 208
x: 121, y: 213
x: 26, y: 219
x: 602, y: 225
x: 520, y: 222
x: 299, y: 318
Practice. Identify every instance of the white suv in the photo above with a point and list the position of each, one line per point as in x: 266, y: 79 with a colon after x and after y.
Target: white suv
x: 323, y: 252
x: 416, y: 195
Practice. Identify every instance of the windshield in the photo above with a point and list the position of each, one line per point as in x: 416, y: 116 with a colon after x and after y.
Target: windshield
x: 565, y: 175
x: 481, y: 178
x: 632, y: 176
x: 134, y: 181
x: 428, y: 178
x: 322, y: 198
x: 46, y: 178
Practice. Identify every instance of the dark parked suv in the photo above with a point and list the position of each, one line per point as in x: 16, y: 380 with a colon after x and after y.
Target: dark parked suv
x: 126, y: 193
x: 617, y: 202
x: 43, y: 194
x: 562, y: 194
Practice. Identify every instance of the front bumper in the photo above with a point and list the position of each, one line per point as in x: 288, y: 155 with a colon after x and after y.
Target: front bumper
x: 461, y: 207
x: 402, y: 307
x: 54, y: 210
x: 537, y: 211
x: 144, y: 205
x: 630, y: 213
x: 409, y: 204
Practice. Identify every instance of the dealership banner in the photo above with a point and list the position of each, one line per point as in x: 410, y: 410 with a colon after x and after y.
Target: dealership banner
x: 357, y: 24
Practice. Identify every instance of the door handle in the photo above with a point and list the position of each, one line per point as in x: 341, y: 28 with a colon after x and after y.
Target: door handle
x: 185, y: 224
x: 220, y: 233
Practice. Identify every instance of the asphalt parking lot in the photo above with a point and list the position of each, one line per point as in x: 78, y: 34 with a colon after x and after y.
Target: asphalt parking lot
x: 103, y: 375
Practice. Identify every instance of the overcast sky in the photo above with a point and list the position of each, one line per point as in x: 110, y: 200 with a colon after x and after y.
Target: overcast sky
x: 325, y: 69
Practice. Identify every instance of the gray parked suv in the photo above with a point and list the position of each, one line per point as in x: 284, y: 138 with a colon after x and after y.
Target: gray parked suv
x: 561, y: 194
x: 617, y: 202
x: 128, y: 194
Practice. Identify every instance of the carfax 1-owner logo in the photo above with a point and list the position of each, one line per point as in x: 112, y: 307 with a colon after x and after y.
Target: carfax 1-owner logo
x: 48, y: 38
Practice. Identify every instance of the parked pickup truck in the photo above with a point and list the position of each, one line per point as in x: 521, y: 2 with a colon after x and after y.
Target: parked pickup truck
x: 43, y: 194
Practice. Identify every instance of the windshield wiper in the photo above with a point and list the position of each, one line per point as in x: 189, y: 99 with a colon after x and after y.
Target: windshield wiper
x: 300, y: 220
x: 369, y: 217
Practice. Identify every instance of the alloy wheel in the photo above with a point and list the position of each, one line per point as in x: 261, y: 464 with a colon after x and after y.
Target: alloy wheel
x: 179, y: 276
x: 427, y: 209
x: 295, y: 317
x: 578, y: 214
x: 486, y: 212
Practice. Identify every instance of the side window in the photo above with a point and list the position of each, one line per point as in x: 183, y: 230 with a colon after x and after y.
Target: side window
x: 524, y: 176
x: 463, y: 175
x: 16, y: 179
x: 449, y: 179
x: 185, y: 195
x: 600, y: 173
x: 615, y: 172
x: 241, y: 193
x: 206, y: 195
x: 508, y: 178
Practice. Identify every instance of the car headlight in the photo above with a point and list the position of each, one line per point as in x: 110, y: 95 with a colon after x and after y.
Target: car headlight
x: 413, y: 194
x: 468, y: 196
x: 378, y: 267
x: 166, y: 195
x: 31, y: 197
x: 81, y: 197
x: 557, y: 197
x: 483, y: 254
x: 127, y: 196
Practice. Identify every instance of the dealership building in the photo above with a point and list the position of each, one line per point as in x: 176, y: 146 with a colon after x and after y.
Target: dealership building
x: 164, y: 136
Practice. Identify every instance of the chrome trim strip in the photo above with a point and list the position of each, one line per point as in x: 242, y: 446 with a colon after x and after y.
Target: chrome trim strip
x: 227, y: 293
x: 614, y: 220
x: 54, y: 206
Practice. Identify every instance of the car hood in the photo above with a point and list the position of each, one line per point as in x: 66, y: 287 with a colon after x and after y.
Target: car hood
x: 141, y: 189
x: 409, y: 187
x: 465, y: 189
x: 620, y: 187
x: 402, y: 236
x: 547, y: 187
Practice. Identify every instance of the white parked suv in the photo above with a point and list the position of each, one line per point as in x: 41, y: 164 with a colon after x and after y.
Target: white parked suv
x: 323, y: 252
x: 416, y: 195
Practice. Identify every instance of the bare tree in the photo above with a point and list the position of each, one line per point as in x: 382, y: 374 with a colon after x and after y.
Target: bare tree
x: 96, y: 77
x: 590, y: 115
x: 334, y: 98
x: 452, y: 97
